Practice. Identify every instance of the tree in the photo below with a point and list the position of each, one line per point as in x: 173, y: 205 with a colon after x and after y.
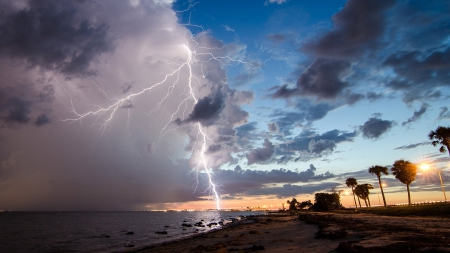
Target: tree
x: 305, y: 204
x: 405, y: 172
x: 441, y: 137
x: 363, y: 191
x: 351, y: 182
x: 378, y: 170
x: 292, y: 204
x: 326, y: 201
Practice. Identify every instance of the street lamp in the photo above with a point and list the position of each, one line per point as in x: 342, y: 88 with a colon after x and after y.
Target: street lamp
x: 425, y: 167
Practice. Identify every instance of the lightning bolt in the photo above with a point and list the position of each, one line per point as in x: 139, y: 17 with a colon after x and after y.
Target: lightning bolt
x: 104, y: 115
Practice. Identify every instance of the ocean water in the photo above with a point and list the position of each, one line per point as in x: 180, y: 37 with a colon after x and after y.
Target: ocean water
x: 100, y: 231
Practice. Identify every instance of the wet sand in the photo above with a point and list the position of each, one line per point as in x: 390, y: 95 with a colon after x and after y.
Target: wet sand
x: 320, y: 232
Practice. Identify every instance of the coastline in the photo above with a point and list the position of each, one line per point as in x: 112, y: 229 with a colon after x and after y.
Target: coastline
x: 318, y: 232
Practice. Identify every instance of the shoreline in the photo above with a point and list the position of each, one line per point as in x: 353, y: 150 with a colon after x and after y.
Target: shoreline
x: 317, y: 232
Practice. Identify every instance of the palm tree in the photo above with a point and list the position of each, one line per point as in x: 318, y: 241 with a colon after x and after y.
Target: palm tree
x: 362, y: 191
x: 378, y: 170
x: 405, y: 172
x: 441, y: 137
x: 351, y: 182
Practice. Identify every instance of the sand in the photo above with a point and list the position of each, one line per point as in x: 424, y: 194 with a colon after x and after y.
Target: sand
x: 321, y: 232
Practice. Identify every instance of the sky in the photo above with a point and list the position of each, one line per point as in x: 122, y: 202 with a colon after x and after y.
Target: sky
x: 150, y: 105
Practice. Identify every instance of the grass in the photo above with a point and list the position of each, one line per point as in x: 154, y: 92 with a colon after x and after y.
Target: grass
x: 437, y: 209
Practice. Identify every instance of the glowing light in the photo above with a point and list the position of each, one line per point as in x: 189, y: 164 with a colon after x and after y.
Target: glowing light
x: 424, y: 166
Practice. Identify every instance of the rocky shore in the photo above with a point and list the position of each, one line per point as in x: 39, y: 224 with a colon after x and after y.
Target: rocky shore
x: 320, y: 232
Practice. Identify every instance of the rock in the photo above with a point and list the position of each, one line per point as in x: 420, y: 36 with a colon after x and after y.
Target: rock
x: 167, y: 226
x: 255, y: 247
x: 161, y: 232
x: 345, y: 247
x: 130, y: 233
x: 254, y: 232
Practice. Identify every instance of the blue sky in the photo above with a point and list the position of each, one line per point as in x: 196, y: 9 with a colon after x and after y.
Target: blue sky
x: 107, y: 105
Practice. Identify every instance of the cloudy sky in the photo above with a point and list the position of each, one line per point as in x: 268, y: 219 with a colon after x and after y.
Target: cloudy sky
x: 124, y: 105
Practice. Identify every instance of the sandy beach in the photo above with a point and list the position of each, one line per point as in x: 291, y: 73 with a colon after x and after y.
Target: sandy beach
x: 320, y: 232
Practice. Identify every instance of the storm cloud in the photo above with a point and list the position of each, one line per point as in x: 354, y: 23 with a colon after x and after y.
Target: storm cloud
x: 323, y: 79
x: 358, y: 27
x: 52, y: 36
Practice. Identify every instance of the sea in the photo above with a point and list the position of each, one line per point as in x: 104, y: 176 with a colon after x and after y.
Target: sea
x: 104, y: 231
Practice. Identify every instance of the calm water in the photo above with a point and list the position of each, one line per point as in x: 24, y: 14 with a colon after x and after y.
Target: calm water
x: 99, y: 231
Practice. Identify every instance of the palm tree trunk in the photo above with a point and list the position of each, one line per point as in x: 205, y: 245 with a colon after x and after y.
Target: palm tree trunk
x: 359, y: 201
x: 366, y: 202
x: 354, y: 198
x: 369, y: 201
x: 382, y: 192
x: 409, y: 196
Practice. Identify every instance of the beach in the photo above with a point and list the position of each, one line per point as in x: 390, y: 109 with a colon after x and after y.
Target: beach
x: 319, y: 232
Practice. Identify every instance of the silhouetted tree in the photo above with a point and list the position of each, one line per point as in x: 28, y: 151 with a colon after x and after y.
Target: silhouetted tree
x: 305, y: 204
x: 441, y: 136
x: 406, y: 173
x: 378, y: 170
x: 292, y: 204
x: 363, y: 191
x: 326, y: 201
x: 351, y: 182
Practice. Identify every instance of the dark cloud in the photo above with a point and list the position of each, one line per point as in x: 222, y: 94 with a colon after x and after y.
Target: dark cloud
x: 415, y: 145
x: 419, y: 72
x: 322, y: 79
x: 15, y: 111
x: 359, y: 27
x: 239, y: 181
x: 375, y: 127
x: 48, y: 34
x: 260, y: 155
x: 41, y: 120
x: 206, y: 110
x: 416, y: 115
